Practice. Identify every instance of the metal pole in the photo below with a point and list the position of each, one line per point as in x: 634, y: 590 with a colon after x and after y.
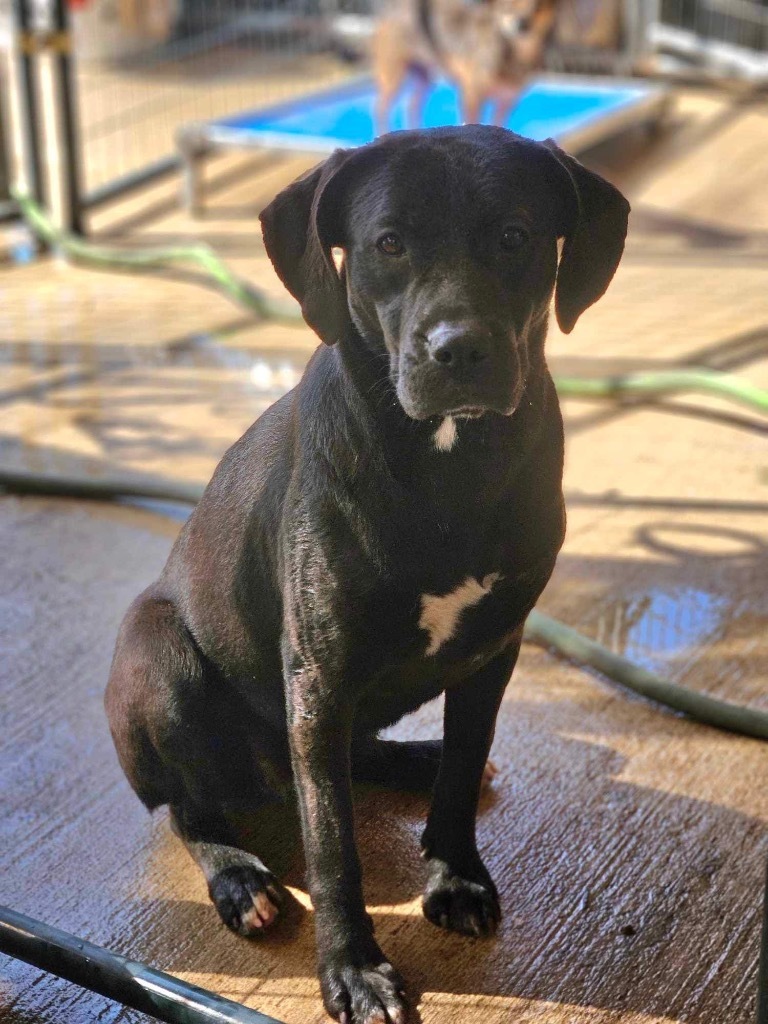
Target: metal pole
x: 68, y: 134
x: 114, y: 976
x: 131, y: 181
x: 5, y: 174
x: 8, y: 211
x: 31, y: 124
x: 762, y: 970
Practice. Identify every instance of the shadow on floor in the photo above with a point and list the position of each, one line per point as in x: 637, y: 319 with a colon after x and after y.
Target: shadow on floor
x: 593, y: 917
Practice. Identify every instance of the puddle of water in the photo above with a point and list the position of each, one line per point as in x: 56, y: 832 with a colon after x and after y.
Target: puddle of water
x: 171, y: 510
x: 22, y: 251
x: 654, y: 627
x: 268, y: 376
x: 267, y: 371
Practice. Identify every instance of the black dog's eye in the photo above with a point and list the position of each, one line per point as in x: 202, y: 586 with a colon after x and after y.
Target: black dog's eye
x: 514, y: 238
x: 390, y: 245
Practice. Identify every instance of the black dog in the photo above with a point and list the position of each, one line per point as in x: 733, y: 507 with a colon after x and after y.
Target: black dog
x: 378, y: 536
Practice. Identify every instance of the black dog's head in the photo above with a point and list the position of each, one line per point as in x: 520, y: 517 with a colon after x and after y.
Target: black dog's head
x: 450, y: 257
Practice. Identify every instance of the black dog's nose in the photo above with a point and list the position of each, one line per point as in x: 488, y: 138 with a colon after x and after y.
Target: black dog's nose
x: 458, y: 346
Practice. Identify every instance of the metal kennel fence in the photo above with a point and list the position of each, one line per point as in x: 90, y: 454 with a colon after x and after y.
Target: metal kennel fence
x: 5, y: 168
x: 720, y: 37
x: 99, y: 88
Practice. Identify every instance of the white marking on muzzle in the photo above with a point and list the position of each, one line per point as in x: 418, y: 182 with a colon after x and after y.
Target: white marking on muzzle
x: 446, y: 435
x: 440, y: 614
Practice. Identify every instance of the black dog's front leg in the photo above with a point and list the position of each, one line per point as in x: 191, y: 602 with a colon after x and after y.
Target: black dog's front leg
x: 359, y: 986
x: 460, y: 894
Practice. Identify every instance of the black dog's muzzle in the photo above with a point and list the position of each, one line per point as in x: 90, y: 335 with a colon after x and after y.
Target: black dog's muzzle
x: 463, y: 366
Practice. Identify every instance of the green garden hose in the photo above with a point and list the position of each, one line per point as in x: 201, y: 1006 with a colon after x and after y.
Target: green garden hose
x: 213, y: 269
x: 98, y: 488
x: 540, y: 629
x: 662, y: 382
x: 636, y: 385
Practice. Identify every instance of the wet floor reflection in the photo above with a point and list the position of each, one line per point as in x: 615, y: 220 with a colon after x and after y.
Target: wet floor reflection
x: 193, y: 393
x: 219, y: 349
x: 17, y: 247
x: 653, y: 627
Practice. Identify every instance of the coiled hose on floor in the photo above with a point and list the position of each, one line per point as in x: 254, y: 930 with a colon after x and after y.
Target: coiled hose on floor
x: 540, y: 629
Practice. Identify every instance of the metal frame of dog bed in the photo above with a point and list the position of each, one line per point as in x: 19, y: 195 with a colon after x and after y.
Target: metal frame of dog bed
x: 637, y: 103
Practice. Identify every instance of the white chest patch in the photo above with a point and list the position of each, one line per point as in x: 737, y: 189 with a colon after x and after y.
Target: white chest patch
x: 446, y: 435
x: 440, y: 615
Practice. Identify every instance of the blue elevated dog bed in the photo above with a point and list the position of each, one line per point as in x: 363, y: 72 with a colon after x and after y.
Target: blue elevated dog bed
x: 578, y: 112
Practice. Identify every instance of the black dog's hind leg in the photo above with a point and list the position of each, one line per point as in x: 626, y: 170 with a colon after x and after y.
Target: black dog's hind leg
x: 245, y: 893
x: 181, y: 741
x: 460, y: 894
x: 407, y: 765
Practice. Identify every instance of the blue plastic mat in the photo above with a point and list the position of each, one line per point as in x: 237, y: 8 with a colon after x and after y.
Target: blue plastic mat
x: 345, y: 116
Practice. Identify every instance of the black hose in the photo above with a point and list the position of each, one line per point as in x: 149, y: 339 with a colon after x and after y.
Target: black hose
x: 126, y: 981
x: 540, y: 629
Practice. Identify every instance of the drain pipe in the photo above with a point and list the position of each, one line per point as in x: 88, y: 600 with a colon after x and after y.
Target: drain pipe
x: 762, y: 970
x: 126, y: 981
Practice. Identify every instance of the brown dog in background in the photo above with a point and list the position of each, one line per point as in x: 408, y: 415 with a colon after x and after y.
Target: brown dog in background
x: 488, y: 49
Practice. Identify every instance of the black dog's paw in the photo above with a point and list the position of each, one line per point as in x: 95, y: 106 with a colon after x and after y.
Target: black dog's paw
x: 247, y: 897
x: 470, y: 906
x: 369, y: 994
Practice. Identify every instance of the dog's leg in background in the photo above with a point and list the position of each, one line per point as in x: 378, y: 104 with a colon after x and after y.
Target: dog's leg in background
x: 356, y: 980
x: 473, y: 99
x: 389, y: 61
x: 472, y: 108
x: 418, y: 82
x: 460, y: 894
x: 246, y: 894
x: 504, y: 105
x: 385, y: 98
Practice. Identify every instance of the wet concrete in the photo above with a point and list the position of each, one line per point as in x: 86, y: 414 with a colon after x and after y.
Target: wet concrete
x: 628, y: 844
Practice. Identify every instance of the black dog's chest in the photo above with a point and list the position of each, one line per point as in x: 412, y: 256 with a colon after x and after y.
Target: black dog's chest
x: 410, y: 648
x: 403, y: 680
x: 462, y: 619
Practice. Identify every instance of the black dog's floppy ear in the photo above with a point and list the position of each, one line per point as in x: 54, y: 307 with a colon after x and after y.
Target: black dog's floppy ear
x: 301, y: 257
x: 594, y: 240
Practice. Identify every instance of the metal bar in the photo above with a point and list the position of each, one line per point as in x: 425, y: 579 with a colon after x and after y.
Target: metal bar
x: 31, y: 123
x: 9, y: 211
x: 72, y: 219
x: 5, y: 173
x: 762, y: 970
x: 116, y: 977
x: 130, y: 182
x: 192, y: 147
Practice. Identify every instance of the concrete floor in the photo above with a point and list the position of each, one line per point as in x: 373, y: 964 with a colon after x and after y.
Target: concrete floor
x: 628, y: 844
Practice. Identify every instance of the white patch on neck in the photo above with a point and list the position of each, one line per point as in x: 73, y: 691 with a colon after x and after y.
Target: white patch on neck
x: 446, y: 435
x: 440, y: 615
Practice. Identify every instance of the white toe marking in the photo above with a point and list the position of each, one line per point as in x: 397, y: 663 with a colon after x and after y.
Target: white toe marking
x: 261, y: 914
x: 251, y: 920
x: 440, y: 614
x: 446, y: 435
